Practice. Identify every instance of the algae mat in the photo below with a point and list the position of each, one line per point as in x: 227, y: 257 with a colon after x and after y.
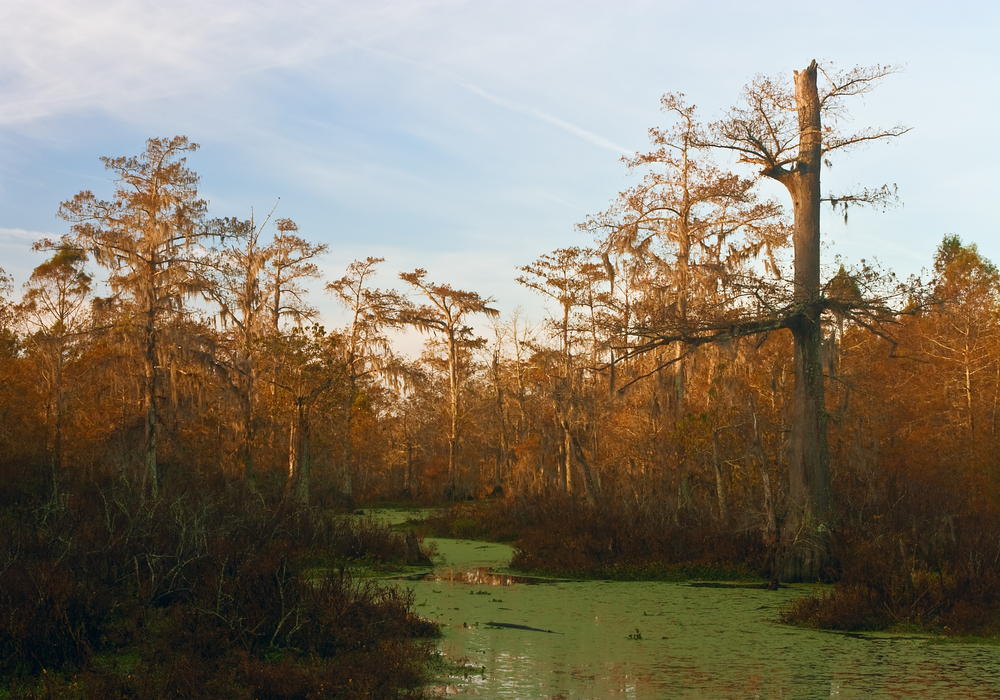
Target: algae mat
x: 600, y: 639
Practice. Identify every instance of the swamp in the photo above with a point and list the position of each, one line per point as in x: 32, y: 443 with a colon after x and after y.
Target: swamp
x: 719, y: 467
x: 628, y: 639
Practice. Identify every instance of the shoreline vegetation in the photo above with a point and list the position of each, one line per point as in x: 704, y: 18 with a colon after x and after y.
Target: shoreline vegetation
x: 219, y: 591
x: 875, y: 586
x: 211, y: 591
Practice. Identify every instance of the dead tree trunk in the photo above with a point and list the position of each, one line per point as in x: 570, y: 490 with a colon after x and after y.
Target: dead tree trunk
x: 804, y: 533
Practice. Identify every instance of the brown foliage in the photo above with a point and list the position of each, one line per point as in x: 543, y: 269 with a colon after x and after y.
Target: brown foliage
x: 570, y: 537
x: 215, y: 593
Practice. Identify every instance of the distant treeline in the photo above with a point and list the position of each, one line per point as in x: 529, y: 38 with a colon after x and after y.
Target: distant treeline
x: 208, y: 359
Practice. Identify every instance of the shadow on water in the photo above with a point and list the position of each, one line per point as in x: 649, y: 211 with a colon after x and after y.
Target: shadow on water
x: 730, y: 584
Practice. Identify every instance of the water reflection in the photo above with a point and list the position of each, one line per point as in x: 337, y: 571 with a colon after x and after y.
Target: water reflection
x: 661, y: 640
x: 480, y: 576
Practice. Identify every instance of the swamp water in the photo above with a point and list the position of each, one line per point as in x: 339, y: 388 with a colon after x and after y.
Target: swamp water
x: 665, y: 640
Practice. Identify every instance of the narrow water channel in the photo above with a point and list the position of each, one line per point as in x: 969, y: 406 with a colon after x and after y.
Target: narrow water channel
x: 666, y: 640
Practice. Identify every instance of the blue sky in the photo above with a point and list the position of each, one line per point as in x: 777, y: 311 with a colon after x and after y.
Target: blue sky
x: 470, y: 137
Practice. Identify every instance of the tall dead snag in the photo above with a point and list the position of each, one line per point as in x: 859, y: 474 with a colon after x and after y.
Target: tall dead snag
x: 788, y: 132
x: 792, y: 151
x: 445, y: 314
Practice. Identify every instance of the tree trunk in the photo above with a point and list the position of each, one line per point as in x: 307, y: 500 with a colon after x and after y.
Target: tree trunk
x: 677, y: 372
x: 804, y: 535
x: 577, y: 450
x: 503, y: 441
x: 293, y: 449
x: 720, y: 484
x: 299, y: 453
x: 967, y: 362
x: 305, y: 461
x: 347, y: 441
x: 408, y: 474
x: 566, y: 468
x: 246, y: 402
x: 453, y: 436
x: 57, y: 460
x: 149, y: 397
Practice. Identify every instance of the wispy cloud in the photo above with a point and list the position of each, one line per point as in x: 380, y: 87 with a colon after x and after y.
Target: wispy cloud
x: 19, y: 236
x: 61, y: 56
x: 15, y: 251
x: 64, y: 56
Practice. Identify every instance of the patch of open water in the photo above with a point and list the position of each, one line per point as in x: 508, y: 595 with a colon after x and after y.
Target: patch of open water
x: 667, y: 640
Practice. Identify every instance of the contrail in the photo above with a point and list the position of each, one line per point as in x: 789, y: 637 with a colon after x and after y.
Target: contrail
x: 588, y: 136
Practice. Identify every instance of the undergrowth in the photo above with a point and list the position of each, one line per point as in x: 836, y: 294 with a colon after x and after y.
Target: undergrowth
x: 886, y: 576
x: 570, y: 538
x: 212, y: 592
x: 885, y: 585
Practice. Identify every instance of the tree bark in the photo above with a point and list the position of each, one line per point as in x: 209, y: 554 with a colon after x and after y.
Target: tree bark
x: 347, y: 438
x: 247, y: 410
x: 299, y: 453
x: 294, y: 454
x: 408, y: 474
x: 305, y: 461
x: 455, y: 406
x: 57, y: 443
x: 720, y: 484
x: 503, y: 443
x: 566, y: 468
x: 149, y: 397
x: 804, y: 535
x: 574, y: 446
